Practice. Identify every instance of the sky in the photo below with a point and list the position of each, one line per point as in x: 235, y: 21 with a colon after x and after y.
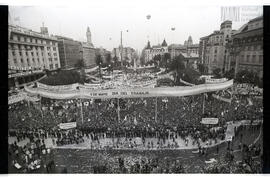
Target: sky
x: 107, y: 21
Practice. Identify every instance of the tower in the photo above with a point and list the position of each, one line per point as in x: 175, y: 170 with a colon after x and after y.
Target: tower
x: 88, y: 36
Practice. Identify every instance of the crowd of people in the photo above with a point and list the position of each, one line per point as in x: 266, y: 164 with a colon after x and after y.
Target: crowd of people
x: 163, y: 118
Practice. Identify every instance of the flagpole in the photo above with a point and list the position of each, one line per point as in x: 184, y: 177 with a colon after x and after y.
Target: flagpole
x: 81, y: 110
x: 118, y: 109
x: 156, y: 111
x: 203, y: 103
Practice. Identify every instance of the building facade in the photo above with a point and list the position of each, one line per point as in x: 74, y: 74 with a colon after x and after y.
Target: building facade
x: 128, y: 54
x: 89, y: 52
x: 246, y: 48
x: 151, y: 52
x: 29, y: 53
x: 70, y: 52
x: 103, y: 53
x: 189, y: 51
x: 212, y: 48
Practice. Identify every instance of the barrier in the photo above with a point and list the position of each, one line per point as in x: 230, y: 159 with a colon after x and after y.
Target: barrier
x: 131, y: 92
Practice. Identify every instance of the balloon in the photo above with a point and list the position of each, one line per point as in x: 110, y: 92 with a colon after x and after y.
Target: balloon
x: 148, y: 16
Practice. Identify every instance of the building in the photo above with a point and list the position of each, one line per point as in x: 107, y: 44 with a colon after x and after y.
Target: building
x: 246, y: 48
x: 213, y: 47
x: 128, y: 54
x: 151, y: 52
x: 189, y: 50
x: 103, y: 53
x: 29, y: 53
x: 70, y: 52
x: 89, y: 52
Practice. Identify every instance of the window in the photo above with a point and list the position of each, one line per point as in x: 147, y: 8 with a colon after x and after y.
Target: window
x: 51, y: 66
x: 15, y: 61
x: 22, y: 39
x: 242, y: 58
x: 21, y: 61
x: 13, y: 53
x: 20, y: 53
x: 253, y: 58
x: 28, y: 63
x: 54, y: 48
x: 32, y: 53
x: 56, y: 66
x: 55, y: 59
x: 260, y: 59
x: 247, y: 58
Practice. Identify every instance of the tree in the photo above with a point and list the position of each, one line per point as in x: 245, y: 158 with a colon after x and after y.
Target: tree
x: 202, y: 68
x: 217, y: 72
x: 157, y: 59
x: 229, y: 74
x: 166, y: 57
x: 177, y: 65
x: 108, y: 59
x: 99, y: 63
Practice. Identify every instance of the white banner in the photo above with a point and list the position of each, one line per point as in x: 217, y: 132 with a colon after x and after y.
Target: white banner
x: 58, y: 87
x: 131, y: 92
x: 211, y: 80
x: 68, y: 125
x: 209, y: 120
x: 15, y: 98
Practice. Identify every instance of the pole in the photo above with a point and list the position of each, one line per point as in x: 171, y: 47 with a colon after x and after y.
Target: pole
x: 118, y: 109
x: 81, y: 110
x: 203, y: 103
x: 156, y: 111
x: 121, y: 50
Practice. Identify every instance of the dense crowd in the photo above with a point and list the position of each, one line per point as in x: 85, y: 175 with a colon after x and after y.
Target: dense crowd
x: 161, y: 118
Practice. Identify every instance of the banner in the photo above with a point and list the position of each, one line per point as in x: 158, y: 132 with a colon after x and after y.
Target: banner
x: 68, y: 125
x: 209, y: 120
x: 15, y: 98
x: 58, y: 87
x: 130, y: 92
x: 211, y: 80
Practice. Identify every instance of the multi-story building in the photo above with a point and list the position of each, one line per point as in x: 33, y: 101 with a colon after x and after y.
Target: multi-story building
x: 29, y: 54
x: 128, y: 54
x: 189, y: 50
x: 151, y: 52
x: 70, y: 52
x: 246, y: 48
x: 213, y: 47
x: 89, y: 52
x: 103, y: 53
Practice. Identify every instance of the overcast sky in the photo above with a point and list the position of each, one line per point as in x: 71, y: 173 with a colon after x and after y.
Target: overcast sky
x: 106, y: 22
